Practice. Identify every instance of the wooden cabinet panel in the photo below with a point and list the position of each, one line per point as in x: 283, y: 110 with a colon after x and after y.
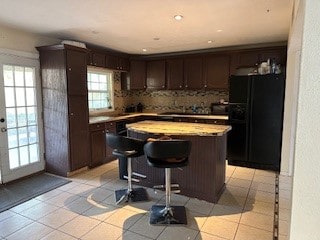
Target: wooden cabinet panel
x: 76, y: 72
x: 98, y: 144
x: 216, y: 71
x: 117, y: 63
x: 156, y: 71
x: 123, y: 64
x: 279, y: 55
x: 193, y: 77
x: 250, y: 58
x: 174, y: 74
x: 136, y: 78
x: 111, y: 128
x: 65, y: 107
x: 98, y: 59
x: 78, y: 132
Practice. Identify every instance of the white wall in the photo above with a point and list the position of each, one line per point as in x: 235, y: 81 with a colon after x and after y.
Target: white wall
x: 291, y: 94
x: 305, y: 214
x: 17, y: 40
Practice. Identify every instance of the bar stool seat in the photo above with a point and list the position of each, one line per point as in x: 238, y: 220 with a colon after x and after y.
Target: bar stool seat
x: 168, y: 154
x: 127, y: 148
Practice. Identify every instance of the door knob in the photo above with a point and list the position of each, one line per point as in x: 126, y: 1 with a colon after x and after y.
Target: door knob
x: 3, y: 129
x: 2, y: 120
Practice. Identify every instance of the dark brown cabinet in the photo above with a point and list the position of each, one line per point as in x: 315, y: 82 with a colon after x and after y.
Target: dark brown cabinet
x: 65, y: 108
x: 174, y: 74
x: 98, y: 144
x: 96, y: 59
x: 216, y: 71
x: 252, y: 57
x: 279, y: 55
x: 136, y: 78
x: 156, y: 74
x: 193, y: 73
x: 117, y: 63
x: 110, y: 127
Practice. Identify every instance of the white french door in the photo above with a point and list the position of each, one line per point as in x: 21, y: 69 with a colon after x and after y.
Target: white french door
x: 21, y: 148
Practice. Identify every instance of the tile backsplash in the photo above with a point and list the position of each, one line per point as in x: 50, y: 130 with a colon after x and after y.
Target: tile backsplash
x: 165, y: 100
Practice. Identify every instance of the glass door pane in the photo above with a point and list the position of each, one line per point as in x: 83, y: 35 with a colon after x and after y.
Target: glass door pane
x: 21, y: 114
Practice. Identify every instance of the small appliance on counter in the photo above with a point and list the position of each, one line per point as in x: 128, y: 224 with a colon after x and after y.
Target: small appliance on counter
x: 220, y: 108
x: 139, y: 107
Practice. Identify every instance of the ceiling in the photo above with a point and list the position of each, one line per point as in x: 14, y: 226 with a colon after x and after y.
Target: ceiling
x: 132, y: 25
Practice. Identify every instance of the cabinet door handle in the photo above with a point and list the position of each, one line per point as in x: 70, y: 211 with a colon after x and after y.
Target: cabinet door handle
x: 70, y: 69
x: 71, y: 114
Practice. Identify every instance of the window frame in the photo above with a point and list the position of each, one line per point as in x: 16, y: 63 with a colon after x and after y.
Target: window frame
x: 105, y: 71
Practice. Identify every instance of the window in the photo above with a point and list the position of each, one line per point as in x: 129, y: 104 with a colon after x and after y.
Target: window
x: 100, y: 89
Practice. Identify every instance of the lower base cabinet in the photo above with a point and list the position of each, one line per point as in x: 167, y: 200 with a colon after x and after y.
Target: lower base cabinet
x: 100, y: 152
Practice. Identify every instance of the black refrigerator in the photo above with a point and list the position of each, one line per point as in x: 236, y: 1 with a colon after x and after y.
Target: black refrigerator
x: 256, y: 116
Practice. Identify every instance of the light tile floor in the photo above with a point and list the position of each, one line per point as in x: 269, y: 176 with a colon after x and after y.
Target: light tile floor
x: 85, y: 209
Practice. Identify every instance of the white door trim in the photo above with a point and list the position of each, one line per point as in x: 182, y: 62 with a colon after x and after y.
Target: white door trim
x: 11, y: 57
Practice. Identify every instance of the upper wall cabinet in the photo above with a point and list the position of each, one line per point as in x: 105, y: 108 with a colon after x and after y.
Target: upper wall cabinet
x: 136, y: 78
x: 216, y: 71
x: 252, y: 57
x: 156, y: 74
x: 174, y: 74
x: 96, y: 59
x: 117, y: 63
x: 193, y: 74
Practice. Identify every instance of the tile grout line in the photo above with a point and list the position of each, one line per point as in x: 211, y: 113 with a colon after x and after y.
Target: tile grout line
x: 244, y: 206
x: 276, y: 210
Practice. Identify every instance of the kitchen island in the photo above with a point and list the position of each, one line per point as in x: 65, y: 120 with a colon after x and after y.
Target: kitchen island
x: 204, y: 177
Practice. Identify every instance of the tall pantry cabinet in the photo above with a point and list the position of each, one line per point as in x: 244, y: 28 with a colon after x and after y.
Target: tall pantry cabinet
x: 65, y: 108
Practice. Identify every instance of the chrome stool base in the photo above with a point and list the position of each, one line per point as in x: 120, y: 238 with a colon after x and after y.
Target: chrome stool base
x: 160, y: 215
x: 135, y: 195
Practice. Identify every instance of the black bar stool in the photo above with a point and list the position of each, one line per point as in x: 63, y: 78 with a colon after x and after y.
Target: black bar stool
x: 127, y: 148
x: 168, y: 154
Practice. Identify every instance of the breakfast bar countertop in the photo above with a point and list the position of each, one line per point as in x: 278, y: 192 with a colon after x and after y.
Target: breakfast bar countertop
x: 178, y: 128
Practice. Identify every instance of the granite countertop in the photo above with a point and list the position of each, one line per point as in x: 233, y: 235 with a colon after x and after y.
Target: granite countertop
x: 99, y: 119
x: 178, y: 128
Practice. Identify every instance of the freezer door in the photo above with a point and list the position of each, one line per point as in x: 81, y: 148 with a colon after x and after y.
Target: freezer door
x: 239, y: 89
x: 265, y: 123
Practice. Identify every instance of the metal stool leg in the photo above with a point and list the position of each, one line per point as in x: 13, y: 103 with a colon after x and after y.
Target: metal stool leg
x: 130, y: 194
x: 166, y: 214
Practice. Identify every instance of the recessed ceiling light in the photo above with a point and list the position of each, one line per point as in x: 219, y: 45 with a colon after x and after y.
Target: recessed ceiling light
x: 210, y: 41
x: 219, y: 30
x: 144, y: 49
x: 178, y: 17
x: 156, y: 38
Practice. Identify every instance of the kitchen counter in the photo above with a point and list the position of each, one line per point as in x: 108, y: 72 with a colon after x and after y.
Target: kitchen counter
x: 99, y: 119
x: 204, y: 176
x: 178, y: 128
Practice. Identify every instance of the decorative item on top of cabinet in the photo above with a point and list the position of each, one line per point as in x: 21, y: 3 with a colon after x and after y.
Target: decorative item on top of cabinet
x: 136, y: 78
x: 193, y: 74
x: 96, y: 59
x: 216, y: 71
x: 174, y: 73
x: 156, y: 74
x: 65, y: 107
x: 252, y: 57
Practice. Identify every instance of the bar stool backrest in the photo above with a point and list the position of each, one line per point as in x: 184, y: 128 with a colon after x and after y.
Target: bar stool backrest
x: 168, y: 153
